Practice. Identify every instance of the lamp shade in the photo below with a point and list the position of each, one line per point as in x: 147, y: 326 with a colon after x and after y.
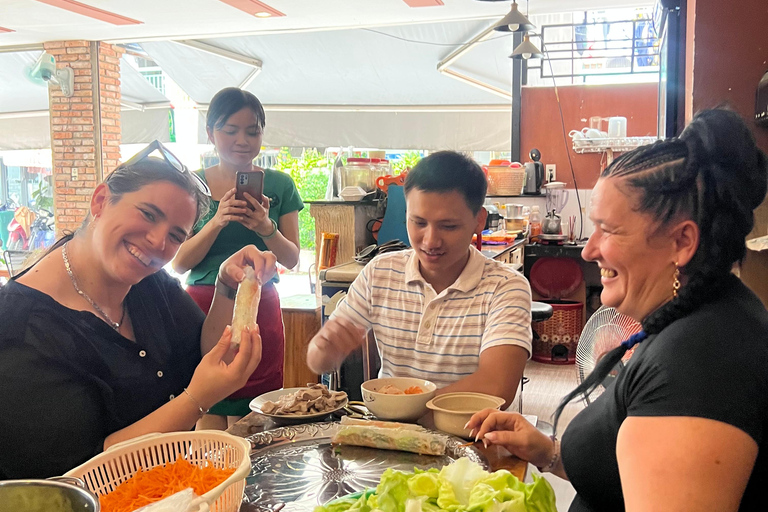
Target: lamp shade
x: 526, y: 50
x: 515, y: 21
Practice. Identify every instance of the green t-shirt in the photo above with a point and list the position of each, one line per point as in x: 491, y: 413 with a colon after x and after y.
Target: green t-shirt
x: 283, y: 199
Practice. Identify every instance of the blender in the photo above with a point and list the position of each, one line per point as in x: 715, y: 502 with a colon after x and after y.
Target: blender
x: 557, y: 196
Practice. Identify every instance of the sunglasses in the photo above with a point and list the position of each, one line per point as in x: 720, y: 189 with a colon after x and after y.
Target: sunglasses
x: 171, y: 160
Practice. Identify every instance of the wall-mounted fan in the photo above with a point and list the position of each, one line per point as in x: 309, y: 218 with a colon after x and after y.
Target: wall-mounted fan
x: 44, y: 71
x: 605, y: 330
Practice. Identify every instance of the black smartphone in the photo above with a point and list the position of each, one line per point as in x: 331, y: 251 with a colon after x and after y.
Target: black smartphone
x: 251, y: 182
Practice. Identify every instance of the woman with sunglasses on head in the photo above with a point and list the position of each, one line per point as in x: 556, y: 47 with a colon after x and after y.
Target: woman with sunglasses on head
x: 235, y: 125
x: 684, y: 425
x: 99, y: 345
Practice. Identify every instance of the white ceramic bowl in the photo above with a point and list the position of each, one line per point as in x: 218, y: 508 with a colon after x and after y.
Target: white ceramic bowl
x: 397, y: 407
x: 452, y: 410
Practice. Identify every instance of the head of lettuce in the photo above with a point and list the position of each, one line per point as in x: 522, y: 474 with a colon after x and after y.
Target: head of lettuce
x: 459, y: 487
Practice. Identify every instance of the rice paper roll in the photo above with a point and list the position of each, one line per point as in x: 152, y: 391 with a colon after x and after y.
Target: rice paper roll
x: 246, y: 304
x: 346, y: 420
x: 421, y: 442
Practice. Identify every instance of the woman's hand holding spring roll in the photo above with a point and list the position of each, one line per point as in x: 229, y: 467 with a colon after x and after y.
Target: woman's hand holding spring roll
x: 215, y: 379
x: 264, y: 265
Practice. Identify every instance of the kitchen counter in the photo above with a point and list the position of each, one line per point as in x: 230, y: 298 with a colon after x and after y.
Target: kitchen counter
x: 495, y: 251
x: 511, y: 254
x: 347, y: 272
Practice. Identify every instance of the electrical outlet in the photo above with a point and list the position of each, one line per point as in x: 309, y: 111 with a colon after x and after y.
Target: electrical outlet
x: 551, y: 173
x: 74, y: 174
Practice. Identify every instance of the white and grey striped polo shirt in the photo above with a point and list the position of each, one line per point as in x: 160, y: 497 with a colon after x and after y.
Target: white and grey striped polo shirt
x: 438, y: 337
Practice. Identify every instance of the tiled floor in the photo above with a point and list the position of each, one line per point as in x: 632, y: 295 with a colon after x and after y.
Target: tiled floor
x: 548, y: 384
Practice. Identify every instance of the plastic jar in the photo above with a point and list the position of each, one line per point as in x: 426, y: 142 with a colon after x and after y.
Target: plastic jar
x: 535, y: 222
x: 358, y: 172
x: 380, y: 168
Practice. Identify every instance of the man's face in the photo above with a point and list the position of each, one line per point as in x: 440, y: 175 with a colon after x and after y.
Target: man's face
x: 440, y: 228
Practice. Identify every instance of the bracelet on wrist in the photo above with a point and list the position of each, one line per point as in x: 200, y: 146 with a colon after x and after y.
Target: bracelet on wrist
x: 202, y: 411
x: 272, y: 234
x: 554, y: 460
x: 225, y: 290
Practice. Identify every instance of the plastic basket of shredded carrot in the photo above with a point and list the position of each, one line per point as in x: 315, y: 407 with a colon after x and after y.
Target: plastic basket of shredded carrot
x: 147, y: 469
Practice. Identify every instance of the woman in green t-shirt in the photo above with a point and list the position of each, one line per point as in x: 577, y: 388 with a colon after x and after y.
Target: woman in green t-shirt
x: 235, y: 125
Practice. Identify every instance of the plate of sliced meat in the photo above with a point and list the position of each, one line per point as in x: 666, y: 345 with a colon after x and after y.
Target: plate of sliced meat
x: 299, y: 405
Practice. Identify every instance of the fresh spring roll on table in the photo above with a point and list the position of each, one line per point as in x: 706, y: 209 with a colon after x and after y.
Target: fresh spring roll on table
x: 387, y: 438
x: 246, y: 304
x: 346, y: 420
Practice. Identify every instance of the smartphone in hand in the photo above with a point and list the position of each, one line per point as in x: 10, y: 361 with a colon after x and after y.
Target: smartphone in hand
x: 251, y: 182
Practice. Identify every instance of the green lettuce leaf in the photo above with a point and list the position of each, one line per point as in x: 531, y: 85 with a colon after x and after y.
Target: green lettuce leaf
x: 424, y: 484
x: 539, y: 496
x: 459, y: 487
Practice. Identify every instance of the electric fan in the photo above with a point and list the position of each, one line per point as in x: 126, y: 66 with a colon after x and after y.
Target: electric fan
x: 605, y: 330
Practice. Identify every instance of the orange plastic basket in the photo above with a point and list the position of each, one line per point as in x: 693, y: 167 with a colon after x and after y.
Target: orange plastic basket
x: 555, y: 339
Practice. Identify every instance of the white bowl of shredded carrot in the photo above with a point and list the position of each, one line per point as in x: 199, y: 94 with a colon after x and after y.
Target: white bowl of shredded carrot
x: 397, y: 398
x: 145, y: 470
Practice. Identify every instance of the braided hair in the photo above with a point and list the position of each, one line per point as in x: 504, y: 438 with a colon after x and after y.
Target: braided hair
x: 713, y: 174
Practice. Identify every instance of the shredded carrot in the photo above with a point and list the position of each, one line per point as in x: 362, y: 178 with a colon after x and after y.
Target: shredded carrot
x: 155, y: 484
x: 413, y: 390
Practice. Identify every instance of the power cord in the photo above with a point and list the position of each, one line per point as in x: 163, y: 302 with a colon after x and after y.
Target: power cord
x: 565, y: 137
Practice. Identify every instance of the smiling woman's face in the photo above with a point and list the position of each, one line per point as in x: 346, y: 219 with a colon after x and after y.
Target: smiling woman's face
x: 636, y: 259
x: 238, y: 141
x: 142, y: 231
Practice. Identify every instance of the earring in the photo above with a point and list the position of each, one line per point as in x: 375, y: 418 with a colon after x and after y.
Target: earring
x: 676, y: 282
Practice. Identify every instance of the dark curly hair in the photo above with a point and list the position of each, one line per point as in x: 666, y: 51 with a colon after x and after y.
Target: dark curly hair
x: 713, y: 174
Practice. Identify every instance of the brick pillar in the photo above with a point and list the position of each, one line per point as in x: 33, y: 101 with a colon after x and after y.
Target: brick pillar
x: 85, y: 128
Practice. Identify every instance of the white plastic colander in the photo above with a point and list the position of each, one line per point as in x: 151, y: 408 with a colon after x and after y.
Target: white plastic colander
x: 103, y: 473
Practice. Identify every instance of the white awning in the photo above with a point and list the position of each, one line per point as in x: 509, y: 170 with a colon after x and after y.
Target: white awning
x: 24, y: 120
x: 360, y: 87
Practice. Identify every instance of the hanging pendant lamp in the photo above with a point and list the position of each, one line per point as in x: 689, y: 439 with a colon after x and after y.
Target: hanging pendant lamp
x: 526, y: 50
x: 515, y: 21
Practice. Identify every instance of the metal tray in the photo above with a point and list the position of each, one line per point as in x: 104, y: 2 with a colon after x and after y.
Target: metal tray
x: 295, y: 468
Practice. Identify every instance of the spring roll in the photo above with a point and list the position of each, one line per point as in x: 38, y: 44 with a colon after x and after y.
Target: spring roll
x: 424, y: 443
x: 246, y: 304
x: 346, y: 420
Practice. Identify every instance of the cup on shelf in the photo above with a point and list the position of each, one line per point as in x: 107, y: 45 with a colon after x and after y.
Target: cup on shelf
x: 617, y: 127
x: 576, y: 135
x: 593, y: 133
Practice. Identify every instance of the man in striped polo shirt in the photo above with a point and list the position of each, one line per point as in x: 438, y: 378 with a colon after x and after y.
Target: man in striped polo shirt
x: 440, y: 311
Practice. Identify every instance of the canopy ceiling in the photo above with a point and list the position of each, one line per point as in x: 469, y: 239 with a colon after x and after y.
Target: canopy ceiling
x: 35, y: 21
x: 24, y: 121
x: 360, y: 87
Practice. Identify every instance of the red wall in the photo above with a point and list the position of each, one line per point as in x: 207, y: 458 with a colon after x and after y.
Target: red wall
x: 730, y: 57
x: 541, y: 126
